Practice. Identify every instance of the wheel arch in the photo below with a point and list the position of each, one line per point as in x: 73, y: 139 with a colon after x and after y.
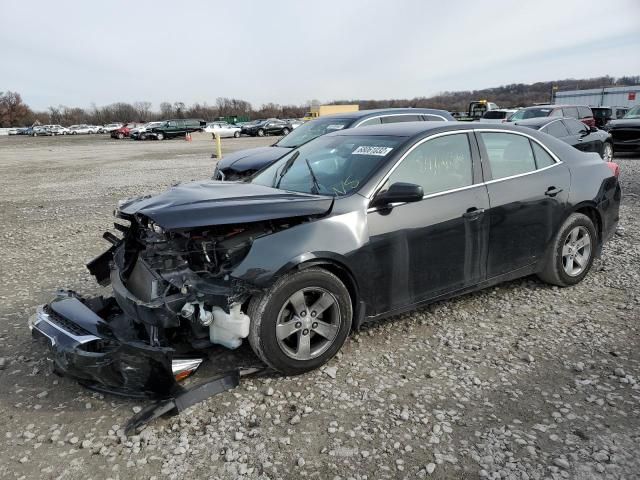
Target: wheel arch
x: 591, y: 210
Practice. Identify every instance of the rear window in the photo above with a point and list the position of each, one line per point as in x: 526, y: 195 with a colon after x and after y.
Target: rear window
x: 601, y: 112
x: 556, y: 129
x: 585, y: 112
x: 495, y: 115
x: 401, y: 118
x: 531, y: 113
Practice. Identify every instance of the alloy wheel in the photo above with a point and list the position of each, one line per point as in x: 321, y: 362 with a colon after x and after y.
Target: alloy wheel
x: 607, y: 152
x: 576, y: 251
x: 308, y: 323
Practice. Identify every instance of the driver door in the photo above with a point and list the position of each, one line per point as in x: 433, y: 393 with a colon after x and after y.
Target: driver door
x: 425, y: 249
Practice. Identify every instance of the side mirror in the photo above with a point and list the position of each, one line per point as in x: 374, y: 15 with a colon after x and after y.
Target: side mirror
x: 399, y: 192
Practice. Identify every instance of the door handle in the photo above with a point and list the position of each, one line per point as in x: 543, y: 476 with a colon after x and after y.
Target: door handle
x: 473, y: 213
x: 552, y: 191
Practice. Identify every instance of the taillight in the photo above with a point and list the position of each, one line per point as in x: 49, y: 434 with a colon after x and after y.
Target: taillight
x: 615, y: 168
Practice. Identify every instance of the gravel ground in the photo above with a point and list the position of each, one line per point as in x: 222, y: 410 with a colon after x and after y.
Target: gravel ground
x: 521, y: 381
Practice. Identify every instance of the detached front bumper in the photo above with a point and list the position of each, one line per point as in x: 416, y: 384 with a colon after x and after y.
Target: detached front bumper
x: 84, y: 346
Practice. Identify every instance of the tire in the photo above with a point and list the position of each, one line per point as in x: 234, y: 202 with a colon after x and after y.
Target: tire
x: 160, y: 136
x: 120, y: 136
x: 607, y: 152
x: 267, y: 310
x: 285, y: 131
x: 35, y: 134
x: 142, y: 137
x: 236, y: 134
x: 74, y: 133
x: 261, y: 133
x: 565, y: 252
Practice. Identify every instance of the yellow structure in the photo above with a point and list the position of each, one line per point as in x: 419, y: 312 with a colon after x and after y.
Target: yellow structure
x: 321, y: 110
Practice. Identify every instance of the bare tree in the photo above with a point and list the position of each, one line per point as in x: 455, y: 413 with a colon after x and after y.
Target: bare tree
x: 13, y: 112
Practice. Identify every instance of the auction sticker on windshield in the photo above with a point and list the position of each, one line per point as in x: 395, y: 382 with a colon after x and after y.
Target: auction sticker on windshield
x: 366, y: 150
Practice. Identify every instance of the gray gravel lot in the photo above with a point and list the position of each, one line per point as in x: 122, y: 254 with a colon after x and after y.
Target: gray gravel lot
x: 521, y: 381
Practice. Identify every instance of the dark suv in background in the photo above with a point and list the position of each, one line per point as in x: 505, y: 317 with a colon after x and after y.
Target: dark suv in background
x: 271, y: 126
x: 579, y: 112
x: 176, y: 128
x: 604, y: 114
x: 244, y: 163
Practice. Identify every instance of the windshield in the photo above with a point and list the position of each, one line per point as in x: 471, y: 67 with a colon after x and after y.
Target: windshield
x: 334, y: 166
x: 530, y: 113
x: 312, y: 129
x: 633, y: 113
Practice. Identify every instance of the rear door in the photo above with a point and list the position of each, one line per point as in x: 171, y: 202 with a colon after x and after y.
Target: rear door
x: 528, y: 190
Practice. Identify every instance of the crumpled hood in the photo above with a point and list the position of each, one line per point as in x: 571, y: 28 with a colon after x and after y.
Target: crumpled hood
x: 251, y: 159
x: 206, y: 203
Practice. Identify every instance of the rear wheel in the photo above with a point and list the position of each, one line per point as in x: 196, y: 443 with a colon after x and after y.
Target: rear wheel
x: 285, y: 131
x: 607, y: 152
x: 261, y: 133
x: 120, y: 136
x: 301, y: 322
x: 236, y: 134
x: 160, y: 136
x: 572, y: 252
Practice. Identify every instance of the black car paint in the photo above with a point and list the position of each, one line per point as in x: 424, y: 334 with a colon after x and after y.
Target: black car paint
x: 271, y: 126
x: 246, y: 162
x: 585, y: 140
x: 625, y: 134
x: 392, y: 258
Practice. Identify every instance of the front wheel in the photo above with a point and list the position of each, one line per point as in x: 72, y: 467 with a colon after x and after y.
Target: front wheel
x: 285, y: 131
x: 572, y: 252
x: 160, y: 136
x: 261, y: 133
x: 301, y: 322
x: 607, y: 152
x: 120, y: 136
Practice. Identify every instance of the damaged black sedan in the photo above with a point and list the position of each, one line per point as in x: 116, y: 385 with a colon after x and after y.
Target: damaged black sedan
x: 353, y: 226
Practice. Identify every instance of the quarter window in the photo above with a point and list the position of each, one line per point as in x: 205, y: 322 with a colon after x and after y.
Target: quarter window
x: 570, y: 112
x: 509, y: 154
x: 556, y: 129
x: 575, y: 127
x: 437, y: 165
x: 585, y: 112
x: 543, y: 159
x: 433, y: 118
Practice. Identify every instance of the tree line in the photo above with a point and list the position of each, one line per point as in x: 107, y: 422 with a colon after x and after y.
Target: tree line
x: 15, y: 113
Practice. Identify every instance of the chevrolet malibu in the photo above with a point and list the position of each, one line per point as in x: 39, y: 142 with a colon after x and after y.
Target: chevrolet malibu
x: 356, y: 225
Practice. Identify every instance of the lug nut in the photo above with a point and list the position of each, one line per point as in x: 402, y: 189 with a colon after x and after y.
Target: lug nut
x: 315, y: 325
x: 313, y: 314
x: 298, y: 324
x: 305, y: 331
x: 303, y: 314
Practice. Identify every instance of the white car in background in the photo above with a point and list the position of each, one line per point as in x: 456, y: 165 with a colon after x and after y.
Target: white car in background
x: 81, y: 129
x: 58, y: 130
x: 498, y: 115
x: 137, y: 132
x: 111, y: 127
x: 223, y: 129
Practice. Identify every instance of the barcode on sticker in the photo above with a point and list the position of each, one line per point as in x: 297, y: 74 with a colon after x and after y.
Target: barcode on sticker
x: 335, y: 127
x: 365, y: 150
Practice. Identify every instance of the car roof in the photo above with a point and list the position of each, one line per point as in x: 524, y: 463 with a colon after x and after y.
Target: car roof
x: 411, y: 129
x: 378, y: 111
x: 542, y: 121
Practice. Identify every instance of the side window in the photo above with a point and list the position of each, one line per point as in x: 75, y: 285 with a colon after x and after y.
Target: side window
x: 401, y: 118
x: 171, y: 124
x: 557, y: 112
x: 556, y: 129
x: 370, y: 121
x: 570, y: 112
x: 432, y: 118
x: 437, y: 165
x: 621, y: 112
x: 509, y: 154
x: 543, y: 159
x: 574, y: 126
x: 584, y: 112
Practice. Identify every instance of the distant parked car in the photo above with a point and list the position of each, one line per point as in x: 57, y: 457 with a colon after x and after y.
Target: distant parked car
x: 112, y: 126
x: 243, y: 163
x: 271, y: 126
x: 575, y: 133
x: 498, y: 115
x: 223, y: 129
x: 176, y: 128
x: 124, y: 131
x: 579, y: 112
x: 16, y: 131
x: 82, y: 129
x: 58, y: 130
x: 626, y: 131
x: 41, y: 131
x: 603, y: 115
x: 139, y: 132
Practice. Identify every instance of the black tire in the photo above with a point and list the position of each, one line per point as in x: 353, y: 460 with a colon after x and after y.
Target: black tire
x: 236, y: 134
x: 285, y: 131
x: 554, y: 271
x: 261, y: 133
x: 120, y: 136
x: 74, y: 133
x: 264, y: 310
x: 160, y: 136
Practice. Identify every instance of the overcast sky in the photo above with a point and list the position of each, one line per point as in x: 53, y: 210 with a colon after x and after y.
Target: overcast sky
x: 78, y: 53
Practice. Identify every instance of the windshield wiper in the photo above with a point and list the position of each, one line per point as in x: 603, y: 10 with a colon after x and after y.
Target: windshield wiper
x: 285, y: 169
x: 316, y: 185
